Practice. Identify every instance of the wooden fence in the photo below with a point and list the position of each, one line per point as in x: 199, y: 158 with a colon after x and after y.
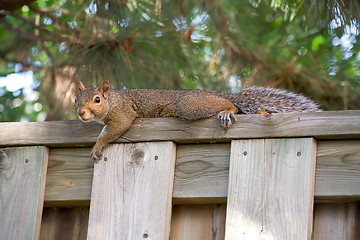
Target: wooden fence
x: 167, y: 178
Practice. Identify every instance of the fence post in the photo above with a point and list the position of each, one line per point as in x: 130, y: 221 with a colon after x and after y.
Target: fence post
x: 271, y: 189
x: 22, y: 186
x: 132, y: 192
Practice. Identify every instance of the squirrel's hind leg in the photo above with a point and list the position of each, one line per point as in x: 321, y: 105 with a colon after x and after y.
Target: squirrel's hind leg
x: 199, y: 105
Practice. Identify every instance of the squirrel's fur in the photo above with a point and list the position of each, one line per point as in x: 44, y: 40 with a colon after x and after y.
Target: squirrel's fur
x: 117, y: 109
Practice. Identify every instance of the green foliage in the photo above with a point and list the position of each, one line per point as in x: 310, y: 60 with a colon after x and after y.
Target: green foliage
x: 220, y: 45
x: 14, y: 106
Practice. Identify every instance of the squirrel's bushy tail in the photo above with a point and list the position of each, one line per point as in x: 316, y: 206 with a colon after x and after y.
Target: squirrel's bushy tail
x: 251, y: 100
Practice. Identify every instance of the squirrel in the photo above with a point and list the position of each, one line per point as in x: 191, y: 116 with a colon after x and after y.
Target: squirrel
x: 117, y: 109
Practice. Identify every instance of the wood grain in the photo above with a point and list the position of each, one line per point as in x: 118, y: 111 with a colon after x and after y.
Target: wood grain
x: 334, y: 221
x: 132, y: 192
x: 271, y: 189
x: 331, y: 222
x: 198, y: 222
x: 201, y: 174
x: 321, y: 125
x: 22, y: 185
x: 338, y: 170
x: 70, y: 174
x: 64, y: 223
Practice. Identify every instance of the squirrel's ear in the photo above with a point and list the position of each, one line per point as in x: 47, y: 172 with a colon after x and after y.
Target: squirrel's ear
x: 104, y: 87
x: 81, y: 86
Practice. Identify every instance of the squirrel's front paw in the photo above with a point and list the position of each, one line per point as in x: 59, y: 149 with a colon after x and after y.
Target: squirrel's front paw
x: 96, y: 155
x: 227, y: 118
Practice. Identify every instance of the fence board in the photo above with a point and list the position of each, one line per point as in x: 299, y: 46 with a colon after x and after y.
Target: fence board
x: 22, y: 184
x: 69, y: 178
x: 271, y: 189
x: 338, y: 170
x: 321, y: 125
x: 197, y: 222
x: 64, y: 223
x: 132, y: 191
x: 201, y: 173
x: 334, y: 221
x: 70, y: 173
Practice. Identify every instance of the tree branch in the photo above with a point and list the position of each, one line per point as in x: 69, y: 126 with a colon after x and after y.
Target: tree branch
x: 58, y: 21
x: 5, y: 12
x: 29, y: 36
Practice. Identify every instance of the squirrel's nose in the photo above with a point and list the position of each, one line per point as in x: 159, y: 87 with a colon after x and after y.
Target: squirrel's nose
x: 81, y: 113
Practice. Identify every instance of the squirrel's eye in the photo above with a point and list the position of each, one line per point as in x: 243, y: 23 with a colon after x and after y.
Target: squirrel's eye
x: 75, y: 100
x: 97, y: 100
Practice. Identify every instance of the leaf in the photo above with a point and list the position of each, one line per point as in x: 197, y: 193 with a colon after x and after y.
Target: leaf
x: 317, y: 41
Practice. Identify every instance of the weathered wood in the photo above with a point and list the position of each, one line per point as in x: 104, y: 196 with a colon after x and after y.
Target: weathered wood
x: 201, y: 174
x: 22, y: 185
x: 334, y: 221
x: 271, y: 189
x: 338, y: 170
x: 70, y: 174
x: 61, y: 133
x: 321, y: 125
x: 132, y: 192
x: 64, y: 223
x: 198, y: 222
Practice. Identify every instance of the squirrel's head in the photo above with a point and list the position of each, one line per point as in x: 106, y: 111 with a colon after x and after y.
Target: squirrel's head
x: 91, y: 103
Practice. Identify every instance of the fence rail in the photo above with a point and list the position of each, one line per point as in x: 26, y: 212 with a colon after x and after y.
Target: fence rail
x: 320, y: 125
